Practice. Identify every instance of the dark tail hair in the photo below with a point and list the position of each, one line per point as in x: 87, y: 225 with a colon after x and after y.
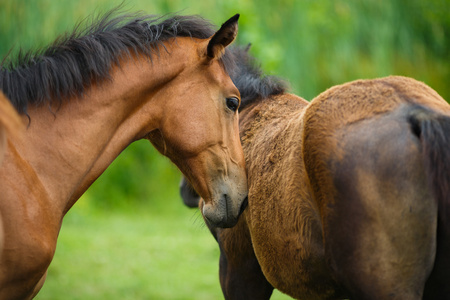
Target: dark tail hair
x: 433, y: 130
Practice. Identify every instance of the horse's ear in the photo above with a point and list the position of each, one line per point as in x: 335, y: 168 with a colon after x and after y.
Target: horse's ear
x: 223, y: 37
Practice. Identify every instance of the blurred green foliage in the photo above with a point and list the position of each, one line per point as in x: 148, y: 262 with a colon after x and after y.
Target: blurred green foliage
x: 314, y: 44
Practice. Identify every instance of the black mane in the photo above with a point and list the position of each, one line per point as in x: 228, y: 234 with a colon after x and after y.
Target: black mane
x: 74, y: 61
x: 250, y: 80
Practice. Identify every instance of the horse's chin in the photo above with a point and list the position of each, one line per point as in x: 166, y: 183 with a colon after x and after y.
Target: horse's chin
x: 220, y: 216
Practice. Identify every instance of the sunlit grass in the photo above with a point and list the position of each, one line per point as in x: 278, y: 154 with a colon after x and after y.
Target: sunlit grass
x: 140, y: 255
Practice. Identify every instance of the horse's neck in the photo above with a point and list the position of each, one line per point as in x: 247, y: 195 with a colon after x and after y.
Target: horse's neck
x: 10, y: 123
x: 70, y: 146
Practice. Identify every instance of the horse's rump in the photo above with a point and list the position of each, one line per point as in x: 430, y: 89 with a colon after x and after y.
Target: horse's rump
x: 369, y: 177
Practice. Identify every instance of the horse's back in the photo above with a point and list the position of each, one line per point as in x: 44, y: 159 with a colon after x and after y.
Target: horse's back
x: 368, y: 177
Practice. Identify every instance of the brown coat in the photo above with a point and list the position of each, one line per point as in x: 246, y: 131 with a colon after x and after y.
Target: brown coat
x: 341, y: 196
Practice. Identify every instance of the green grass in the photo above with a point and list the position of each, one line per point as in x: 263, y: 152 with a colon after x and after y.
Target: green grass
x: 140, y: 255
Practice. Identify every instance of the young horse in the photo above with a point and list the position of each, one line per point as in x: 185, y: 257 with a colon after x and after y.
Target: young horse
x: 89, y: 96
x: 348, y: 195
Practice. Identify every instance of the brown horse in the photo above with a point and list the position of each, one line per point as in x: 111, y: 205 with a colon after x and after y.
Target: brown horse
x: 92, y: 93
x: 348, y: 195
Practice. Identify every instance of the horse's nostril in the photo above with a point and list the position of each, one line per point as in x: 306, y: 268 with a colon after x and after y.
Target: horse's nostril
x: 243, y: 205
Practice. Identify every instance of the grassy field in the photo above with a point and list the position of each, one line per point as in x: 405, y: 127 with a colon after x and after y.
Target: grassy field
x: 144, y: 254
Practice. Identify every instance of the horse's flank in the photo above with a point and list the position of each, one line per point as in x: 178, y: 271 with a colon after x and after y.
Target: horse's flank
x: 367, y: 171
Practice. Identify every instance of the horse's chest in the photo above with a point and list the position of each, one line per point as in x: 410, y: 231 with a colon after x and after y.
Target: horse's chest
x: 295, y: 268
x: 288, y: 243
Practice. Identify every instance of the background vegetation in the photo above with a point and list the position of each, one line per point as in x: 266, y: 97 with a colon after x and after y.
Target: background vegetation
x: 129, y: 237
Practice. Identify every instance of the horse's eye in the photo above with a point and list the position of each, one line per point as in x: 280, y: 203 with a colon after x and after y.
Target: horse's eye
x: 233, y: 103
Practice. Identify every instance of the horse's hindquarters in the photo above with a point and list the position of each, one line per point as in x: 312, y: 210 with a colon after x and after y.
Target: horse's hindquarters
x: 379, y: 216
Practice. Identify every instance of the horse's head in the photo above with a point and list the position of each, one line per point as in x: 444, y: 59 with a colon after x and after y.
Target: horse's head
x: 199, y: 129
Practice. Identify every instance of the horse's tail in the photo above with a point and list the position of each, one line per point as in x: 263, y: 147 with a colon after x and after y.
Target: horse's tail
x: 433, y: 131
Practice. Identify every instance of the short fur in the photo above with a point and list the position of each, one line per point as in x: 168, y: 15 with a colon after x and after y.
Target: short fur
x: 369, y: 179
x: 344, y: 194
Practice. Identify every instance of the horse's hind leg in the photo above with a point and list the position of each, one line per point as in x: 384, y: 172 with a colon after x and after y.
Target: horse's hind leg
x: 240, y: 273
x: 378, y: 212
x: 438, y: 284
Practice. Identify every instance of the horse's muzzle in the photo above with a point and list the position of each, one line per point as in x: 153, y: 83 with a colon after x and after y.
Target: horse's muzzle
x: 223, y: 214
